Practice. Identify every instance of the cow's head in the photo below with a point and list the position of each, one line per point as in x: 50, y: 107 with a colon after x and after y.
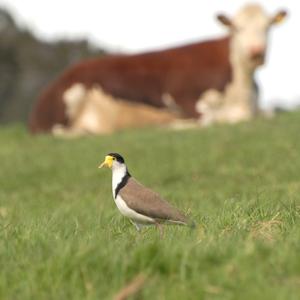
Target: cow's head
x: 249, y: 32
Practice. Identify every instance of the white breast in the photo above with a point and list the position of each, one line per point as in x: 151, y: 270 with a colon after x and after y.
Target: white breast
x: 130, y: 213
x: 117, y: 176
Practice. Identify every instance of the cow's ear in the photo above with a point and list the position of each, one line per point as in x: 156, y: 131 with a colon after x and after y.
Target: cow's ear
x: 279, y: 17
x: 224, y: 20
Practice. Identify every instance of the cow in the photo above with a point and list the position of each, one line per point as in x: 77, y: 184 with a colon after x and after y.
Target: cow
x: 209, y: 81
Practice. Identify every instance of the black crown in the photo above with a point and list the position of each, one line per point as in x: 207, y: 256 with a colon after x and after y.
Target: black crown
x: 117, y: 156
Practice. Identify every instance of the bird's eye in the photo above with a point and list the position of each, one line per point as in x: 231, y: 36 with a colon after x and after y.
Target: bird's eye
x: 114, y: 158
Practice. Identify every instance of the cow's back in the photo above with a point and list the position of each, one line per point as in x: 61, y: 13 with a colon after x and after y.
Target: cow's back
x: 183, y: 73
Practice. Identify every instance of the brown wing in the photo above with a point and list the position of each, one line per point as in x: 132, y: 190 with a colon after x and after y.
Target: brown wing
x: 149, y: 203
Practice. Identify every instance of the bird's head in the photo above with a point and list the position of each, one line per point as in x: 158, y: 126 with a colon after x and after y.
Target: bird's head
x: 113, y: 161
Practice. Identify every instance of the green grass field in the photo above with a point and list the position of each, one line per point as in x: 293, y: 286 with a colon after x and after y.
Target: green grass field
x: 62, y: 237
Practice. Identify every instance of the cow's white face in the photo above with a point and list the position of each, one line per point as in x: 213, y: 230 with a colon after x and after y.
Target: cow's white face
x: 249, y: 33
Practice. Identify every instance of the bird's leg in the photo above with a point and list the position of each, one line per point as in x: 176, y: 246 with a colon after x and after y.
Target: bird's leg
x: 137, y: 226
x: 160, y: 228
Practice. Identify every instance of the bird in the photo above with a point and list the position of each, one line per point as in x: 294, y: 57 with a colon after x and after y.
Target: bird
x: 140, y: 204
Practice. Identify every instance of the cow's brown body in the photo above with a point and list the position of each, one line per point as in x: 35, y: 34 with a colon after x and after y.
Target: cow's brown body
x: 183, y: 73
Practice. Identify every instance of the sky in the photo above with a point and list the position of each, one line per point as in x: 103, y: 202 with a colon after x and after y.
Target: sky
x: 133, y: 26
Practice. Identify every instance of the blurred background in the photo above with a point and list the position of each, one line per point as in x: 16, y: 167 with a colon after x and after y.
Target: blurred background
x: 38, y: 39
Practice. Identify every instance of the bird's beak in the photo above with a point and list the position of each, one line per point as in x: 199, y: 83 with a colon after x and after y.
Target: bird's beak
x: 107, y: 162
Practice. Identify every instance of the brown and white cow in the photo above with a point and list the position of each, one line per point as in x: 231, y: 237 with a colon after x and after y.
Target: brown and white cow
x: 210, y: 81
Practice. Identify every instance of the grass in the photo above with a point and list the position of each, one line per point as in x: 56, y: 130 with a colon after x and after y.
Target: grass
x: 61, y: 236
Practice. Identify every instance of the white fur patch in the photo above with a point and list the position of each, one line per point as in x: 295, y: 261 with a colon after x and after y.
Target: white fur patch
x: 73, y: 98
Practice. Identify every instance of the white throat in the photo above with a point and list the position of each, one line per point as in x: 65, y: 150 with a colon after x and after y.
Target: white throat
x: 118, y: 172
x: 242, y: 74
